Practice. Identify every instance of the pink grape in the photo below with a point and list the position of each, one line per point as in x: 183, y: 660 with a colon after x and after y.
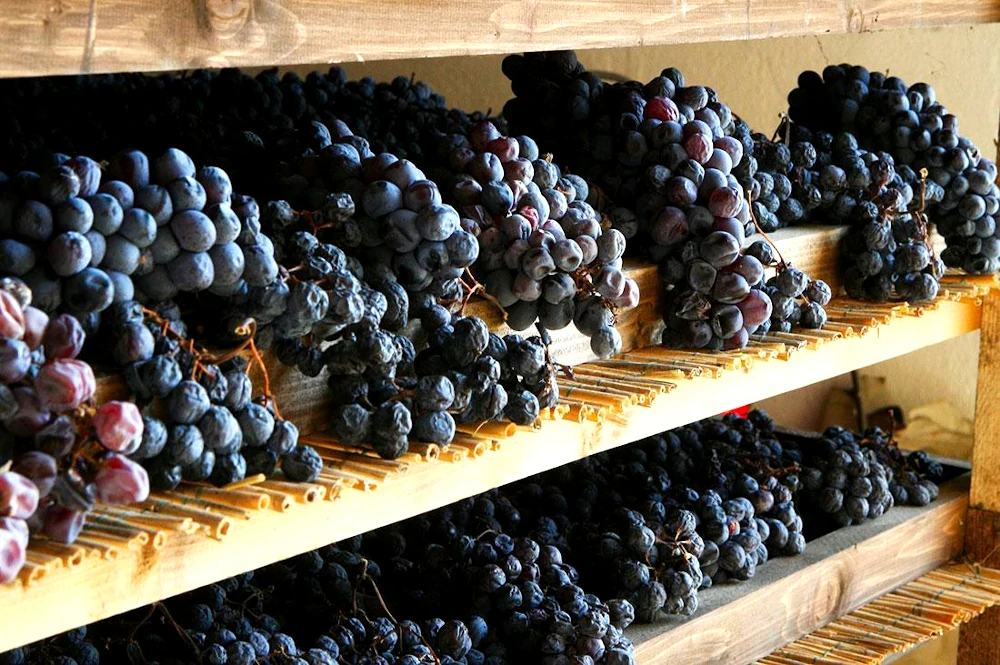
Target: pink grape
x: 609, y: 282
x: 720, y: 160
x: 119, y: 427
x: 531, y: 214
x: 11, y: 316
x: 62, y: 524
x: 64, y: 337
x: 731, y: 146
x: 63, y: 385
x: 35, y: 323
x: 589, y: 248
x: 526, y: 288
x: 698, y: 147
x: 13, y: 553
x: 119, y: 481
x: 39, y: 468
x: 18, y: 495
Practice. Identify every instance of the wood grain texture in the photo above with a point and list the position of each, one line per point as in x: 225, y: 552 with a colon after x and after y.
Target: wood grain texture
x: 81, y: 36
x: 978, y: 643
x: 985, y: 493
x: 791, y: 597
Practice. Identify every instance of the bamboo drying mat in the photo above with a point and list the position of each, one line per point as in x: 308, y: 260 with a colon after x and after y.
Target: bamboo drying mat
x: 915, y: 613
x: 606, y: 389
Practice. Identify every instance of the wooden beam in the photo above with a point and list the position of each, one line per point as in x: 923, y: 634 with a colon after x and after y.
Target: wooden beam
x: 985, y: 492
x: 791, y: 597
x: 978, y: 643
x: 84, y: 36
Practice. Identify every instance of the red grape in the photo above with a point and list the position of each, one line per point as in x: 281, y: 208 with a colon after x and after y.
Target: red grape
x: 661, y: 108
x: 505, y: 147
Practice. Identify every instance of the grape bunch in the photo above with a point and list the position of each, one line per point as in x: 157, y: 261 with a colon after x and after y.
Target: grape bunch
x: 150, y: 231
x: 382, y: 210
x: 664, y: 152
x: 909, y: 123
x: 886, y: 252
x: 850, y: 478
x: 201, y: 422
x: 59, y: 453
x: 542, y: 252
x: 675, y: 513
x: 464, y: 375
x: 526, y: 590
x: 60, y: 234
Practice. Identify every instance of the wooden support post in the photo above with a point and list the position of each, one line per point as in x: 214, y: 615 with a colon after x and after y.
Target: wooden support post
x: 980, y: 639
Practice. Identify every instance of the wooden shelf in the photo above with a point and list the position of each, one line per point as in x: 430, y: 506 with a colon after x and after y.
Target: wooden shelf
x: 71, y: 596
x: 82, y: 36
x: 791, y: 597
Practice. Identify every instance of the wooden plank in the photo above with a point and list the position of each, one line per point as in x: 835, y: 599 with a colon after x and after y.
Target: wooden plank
x: 68, y: 598
x: 74, y: 36
x: 791, y: 597
x: 978, y: 644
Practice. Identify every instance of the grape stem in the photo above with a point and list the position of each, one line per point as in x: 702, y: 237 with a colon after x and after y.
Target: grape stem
x: 203, y: 359
x: 365, y: 576
x: 477, y: 287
